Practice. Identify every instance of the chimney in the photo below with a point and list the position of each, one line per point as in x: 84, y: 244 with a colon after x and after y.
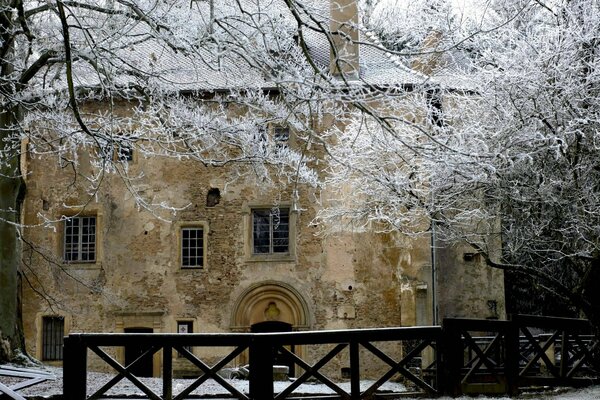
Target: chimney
x: 343, y: 25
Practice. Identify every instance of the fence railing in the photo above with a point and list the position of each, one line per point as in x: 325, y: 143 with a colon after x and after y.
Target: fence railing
x: 263, y: 349
x: 462, y: 356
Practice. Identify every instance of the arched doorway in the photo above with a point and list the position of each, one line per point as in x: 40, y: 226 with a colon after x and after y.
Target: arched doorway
x: 270, y: 306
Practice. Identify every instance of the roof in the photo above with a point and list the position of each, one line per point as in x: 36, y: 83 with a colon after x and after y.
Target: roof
x: 207, y: 65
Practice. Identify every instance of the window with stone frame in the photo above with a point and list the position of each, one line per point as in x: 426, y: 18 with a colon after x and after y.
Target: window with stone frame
x: 53, y: 331
x: 79, y: 244
x: 192, y: 247
x: 271, y: 231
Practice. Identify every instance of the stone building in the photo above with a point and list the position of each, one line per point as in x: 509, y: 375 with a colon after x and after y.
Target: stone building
x: 239, y: 255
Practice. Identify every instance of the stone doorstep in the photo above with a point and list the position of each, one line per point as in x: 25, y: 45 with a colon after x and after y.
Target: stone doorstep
x: 281, y: 372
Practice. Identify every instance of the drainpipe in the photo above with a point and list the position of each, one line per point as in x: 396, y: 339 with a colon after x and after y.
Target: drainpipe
x: 433, y: 274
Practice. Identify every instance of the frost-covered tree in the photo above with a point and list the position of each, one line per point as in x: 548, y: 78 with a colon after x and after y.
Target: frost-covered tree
x: 511, y: 155
x: 199, y: 80
x: 60, y: 60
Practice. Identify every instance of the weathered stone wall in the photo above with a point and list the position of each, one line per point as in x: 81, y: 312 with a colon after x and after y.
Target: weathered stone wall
x: 351, y: 280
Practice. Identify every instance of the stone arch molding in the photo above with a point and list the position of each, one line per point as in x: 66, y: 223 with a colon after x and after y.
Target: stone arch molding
x: 270, y: 300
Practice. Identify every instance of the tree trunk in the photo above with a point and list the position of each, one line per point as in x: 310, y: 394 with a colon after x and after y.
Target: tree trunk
x: 11, y: 186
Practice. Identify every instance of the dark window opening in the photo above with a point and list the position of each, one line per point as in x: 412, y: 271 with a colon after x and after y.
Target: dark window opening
x: 261, y: 142
x: 125, y: 153
x: 53, y: 331
x: 270, y: 231
x: 469, y: 257
x: 281, y: 136
x: 436, y: 111
x: 213, y: 197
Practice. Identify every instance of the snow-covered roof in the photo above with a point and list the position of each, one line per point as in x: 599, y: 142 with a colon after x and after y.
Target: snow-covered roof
x: 376, y: 66
x: 208, y: 67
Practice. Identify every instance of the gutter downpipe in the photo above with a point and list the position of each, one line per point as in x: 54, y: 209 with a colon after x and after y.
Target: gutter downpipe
x: 433, y: 274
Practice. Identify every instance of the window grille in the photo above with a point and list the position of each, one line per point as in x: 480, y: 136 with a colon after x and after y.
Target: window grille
x: 53, y: 331
x: 192, y: 247
x: 80, y: 239
x: 270, y: 231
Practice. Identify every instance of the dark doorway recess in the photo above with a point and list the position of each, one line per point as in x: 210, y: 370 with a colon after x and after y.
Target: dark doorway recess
x: 277, y: 326
x: 142, y: 368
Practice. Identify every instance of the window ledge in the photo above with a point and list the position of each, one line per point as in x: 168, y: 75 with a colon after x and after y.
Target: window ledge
x: 271, y: 258
x: 83, y: 265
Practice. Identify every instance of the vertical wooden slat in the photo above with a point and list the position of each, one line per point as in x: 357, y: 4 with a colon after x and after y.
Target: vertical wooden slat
x: 261, y: 368
x: 354, y: 371
x: 75, y: 368
x: 453, y: 358
x: 511, y: 358
x: 167, y: 372
x: 564, y: 355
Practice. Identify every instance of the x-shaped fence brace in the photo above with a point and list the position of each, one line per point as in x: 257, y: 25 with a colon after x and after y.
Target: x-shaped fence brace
x: 31, y: 377
x: 208, y: 372
x: 396, y: 367
x: 578, y: 355
x: 481, y: 356
x: 582, y: 356
x: 124, y: 372
x: 539, y: 351
x: 312, y: 370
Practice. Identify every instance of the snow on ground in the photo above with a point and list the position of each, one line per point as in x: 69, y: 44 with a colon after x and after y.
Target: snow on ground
x: 211, y: 388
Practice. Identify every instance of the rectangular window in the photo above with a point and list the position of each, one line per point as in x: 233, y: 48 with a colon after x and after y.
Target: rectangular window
x: 281, y: 136
x: 192, y: 247
x: 53, y: 330
x: 80, y: 239
x: 185, y: 327
x: 125, y: 153
x: 270, y: 231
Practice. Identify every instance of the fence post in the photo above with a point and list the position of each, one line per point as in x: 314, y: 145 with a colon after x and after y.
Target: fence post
x: 439, y: 355
x: 167, y: 372
x: 354, y: 371
x: 511, y: 358
x: 452, y: 358
x: 75, y: 368
x: 261, y: 368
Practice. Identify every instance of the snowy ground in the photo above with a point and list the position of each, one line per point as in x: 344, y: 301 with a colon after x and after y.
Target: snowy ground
x: 213, y: 389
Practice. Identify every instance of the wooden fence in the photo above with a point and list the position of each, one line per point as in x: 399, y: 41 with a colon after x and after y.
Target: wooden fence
x: 461, y: 356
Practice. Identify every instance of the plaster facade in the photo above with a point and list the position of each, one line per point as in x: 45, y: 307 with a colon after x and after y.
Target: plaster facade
x: 137, y: 281
x: 348, y: 280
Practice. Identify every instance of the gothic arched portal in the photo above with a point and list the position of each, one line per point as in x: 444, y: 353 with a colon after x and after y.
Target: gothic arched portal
x: 270, y: 303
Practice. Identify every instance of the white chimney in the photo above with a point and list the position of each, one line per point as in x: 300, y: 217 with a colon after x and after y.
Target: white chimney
x: 344, y: 30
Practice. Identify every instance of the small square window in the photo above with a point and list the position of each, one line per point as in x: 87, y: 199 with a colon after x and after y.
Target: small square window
x: 53, y: 330
x: 192, y: 247
x: 80, y: 239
